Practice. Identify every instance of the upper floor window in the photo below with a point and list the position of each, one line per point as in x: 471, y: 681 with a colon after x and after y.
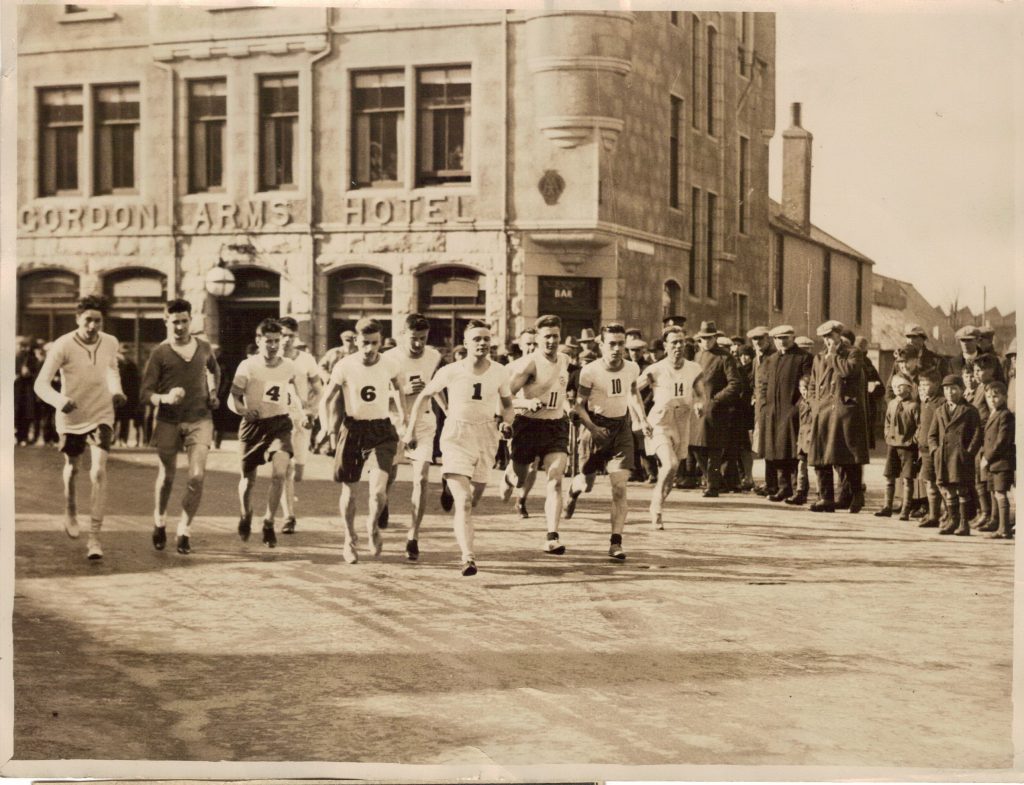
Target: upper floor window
x: 207, y: 120
x: 709, y: 92
x: 746, y: 41
x: 694, y: 239
x: 744, y: 185
x: 826, y: 286
x: 279, y: 120
x: 673, y: 17
x: 674, y: 157
x: 60, y: 115
x: 859, y: 296
x: 709, y: 246
x: 694, y: 69
x: 378, y: 122
x: 444, y: 131
x: 779, y: 276
x: 117, y: 133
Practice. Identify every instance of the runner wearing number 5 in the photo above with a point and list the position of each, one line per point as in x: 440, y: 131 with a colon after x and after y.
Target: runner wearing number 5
x: 475, y: 385
x: 260, y: 393
x: 361, y: 388
x: 541, y: 429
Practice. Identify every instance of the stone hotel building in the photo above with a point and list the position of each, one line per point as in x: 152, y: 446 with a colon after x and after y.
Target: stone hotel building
x: 335, y: 163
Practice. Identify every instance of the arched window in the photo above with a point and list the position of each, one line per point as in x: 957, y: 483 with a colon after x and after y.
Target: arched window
x: 671, y: 300
x: 136, y: 316
x: 46, y: 304
x: 355, y: 292
x: 449, y: 297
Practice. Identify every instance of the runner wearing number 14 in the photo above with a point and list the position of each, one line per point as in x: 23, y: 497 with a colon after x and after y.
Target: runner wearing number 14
x: 542, y: 429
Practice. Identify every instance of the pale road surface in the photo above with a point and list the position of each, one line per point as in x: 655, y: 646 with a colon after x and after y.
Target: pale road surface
x: 745, y: 633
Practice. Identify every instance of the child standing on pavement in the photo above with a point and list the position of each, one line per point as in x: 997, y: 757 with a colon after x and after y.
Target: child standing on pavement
x: 998, y: 456
x: 803, y: 444
x: 985, y: 369
x: 902, y: 417
x: 954, y: 439
x: 931, y: 398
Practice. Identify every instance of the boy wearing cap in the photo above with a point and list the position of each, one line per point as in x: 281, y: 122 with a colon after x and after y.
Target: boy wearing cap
x: 984, y: 375
x: 954, y: 439
x: 803, y: 444
x: 998, y: 457
x: 902, y: 417
x: 929, y: 390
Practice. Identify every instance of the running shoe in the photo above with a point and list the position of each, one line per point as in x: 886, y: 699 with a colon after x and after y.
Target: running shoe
x: 521, y: 509
x: 382, y: 519
x: 615, y: 551
x: 184, y: 547
x: 93, y: 548
x: 554, y: 547
x: 412, y: 550
x: 348, y: 552
x: 159, y: 537
x: 71, y: 527
x: 447, y: 502
x: 289, y: 525
x: 469, y: 568
x: 656, y: 522
x: 245, y: 527
x: 570, y: 506
x: 269, y: 537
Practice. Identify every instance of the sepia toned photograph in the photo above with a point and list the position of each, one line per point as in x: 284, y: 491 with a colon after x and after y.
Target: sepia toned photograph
x: 543, y: 393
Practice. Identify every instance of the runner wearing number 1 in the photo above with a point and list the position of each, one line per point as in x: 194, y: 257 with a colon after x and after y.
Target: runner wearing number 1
x: 261, y: 396
x: 541, y: 430
x: 361, y: 385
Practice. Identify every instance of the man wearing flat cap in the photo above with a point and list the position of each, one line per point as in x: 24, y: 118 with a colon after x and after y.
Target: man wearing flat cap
x: 764, y: 347
x: 839, y: 418
x: 971, y: 343
x: 778, y: 394
x: 721, y: 389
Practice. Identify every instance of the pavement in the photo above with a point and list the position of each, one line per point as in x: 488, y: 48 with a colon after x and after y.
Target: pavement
x: 745, y: 633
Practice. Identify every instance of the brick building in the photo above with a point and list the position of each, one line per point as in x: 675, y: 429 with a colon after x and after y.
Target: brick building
x: 334, y: 163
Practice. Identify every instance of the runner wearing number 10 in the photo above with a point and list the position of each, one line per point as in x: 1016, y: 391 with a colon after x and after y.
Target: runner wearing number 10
x: 541, y: 431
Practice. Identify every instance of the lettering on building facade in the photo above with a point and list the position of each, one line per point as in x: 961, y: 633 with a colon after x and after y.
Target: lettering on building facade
x: 407, y: 210
x: 86, y: 218
x: 253, y: 215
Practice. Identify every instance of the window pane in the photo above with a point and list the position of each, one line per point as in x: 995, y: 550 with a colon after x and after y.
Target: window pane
x: 198, y: 157
x: 444, y: 131
x: 60, y: 112
x: 123, y: 144
x: 67, y: 158
x: 279, y: 103
x: 104, y: 159
x: 215, y: 153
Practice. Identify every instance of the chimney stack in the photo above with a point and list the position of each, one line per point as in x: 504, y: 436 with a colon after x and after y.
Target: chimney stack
x: 796, y: 172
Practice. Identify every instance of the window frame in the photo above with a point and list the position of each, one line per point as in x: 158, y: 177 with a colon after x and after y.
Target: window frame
x: 428, y: 178
x: 710, y: 230
x: 695, y: 42
x: 742, y: 203
x: 779, y: 273
x: 205, y: 121
x: 711, y: 42
x: 263, y: 184
x: 693, y: 282
x: 43, y: 126
x: 402, y: 130
x: 675, y: 160
x: 99, y: 124
x: 826, y: 286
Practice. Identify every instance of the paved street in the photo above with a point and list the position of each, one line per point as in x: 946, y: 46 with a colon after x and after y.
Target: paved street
x: 745, y: 633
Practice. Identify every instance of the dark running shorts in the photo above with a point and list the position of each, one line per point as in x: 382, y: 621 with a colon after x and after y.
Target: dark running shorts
x: 1001, y: 481
x: 616, y: 452
x: 357, y: 440
x: 258, y: 440
x: 899, y: 462
x: 533, y: 438
x: 74, y: 444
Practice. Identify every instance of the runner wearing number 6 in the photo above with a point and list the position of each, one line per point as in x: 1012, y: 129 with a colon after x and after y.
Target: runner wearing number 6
x: 475, y: 385
x: 361, y: 386
x: 541, y: 430
x: 260, y: 393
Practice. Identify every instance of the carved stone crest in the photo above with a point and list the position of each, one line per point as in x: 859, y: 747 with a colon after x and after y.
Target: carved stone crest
x: 551, y: 186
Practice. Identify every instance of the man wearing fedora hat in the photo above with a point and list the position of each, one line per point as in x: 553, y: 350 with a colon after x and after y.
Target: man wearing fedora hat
x: 588, y: 346
x: 721, y: 389
x: 839, y: 418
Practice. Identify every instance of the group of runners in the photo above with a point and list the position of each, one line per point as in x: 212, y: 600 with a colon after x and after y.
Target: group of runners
x: 374, y: 408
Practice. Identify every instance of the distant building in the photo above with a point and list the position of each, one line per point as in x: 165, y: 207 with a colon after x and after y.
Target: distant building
x: 813, y: 276
x: 334, y: 163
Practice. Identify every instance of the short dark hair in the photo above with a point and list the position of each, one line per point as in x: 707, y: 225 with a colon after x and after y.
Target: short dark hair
x: 474, y: 324
x: 415, y: 322
x: 289, y: 322
x: 269, y: 325
x: 673, y: 329
x: 528, y: 331
x: 178, y: 305
x: 996, y: 387
x: 549, y: 320
x: 92, y: 302
x: 986, y: 361
x: 657, y: 345
x: 747, y: 351
x: 613, y: 327
x: 930, y: 375
x: 368, y: 326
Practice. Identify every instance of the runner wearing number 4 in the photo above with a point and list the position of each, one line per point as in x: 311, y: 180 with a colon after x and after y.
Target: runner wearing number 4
x: 606, y: 398
x: 541, y: 430
x: 261, y: 395
x: 678, y: 394
x: 475, y: 386
x: 361, y: 386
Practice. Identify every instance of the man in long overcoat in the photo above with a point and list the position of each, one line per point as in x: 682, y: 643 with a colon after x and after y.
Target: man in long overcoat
x: 839, y: 418
x: 721, y: 389
x: 763, y: 349
x: 778, y: 395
